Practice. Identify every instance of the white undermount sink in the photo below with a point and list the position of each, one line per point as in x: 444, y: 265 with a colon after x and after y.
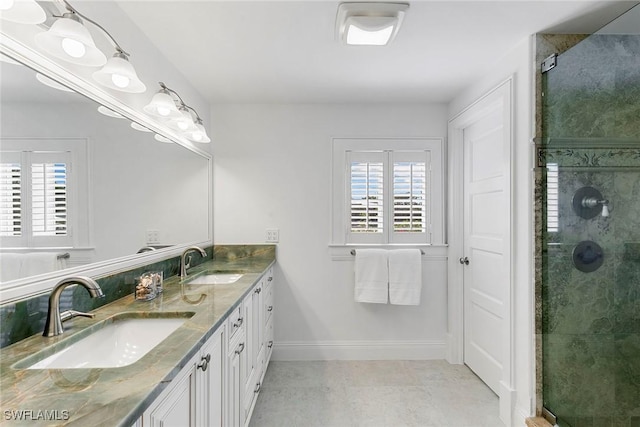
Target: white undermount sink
x: 215, y: 279
x: 119, y: 343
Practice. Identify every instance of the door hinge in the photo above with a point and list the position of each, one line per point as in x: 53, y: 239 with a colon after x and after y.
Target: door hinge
x: 549, y: 63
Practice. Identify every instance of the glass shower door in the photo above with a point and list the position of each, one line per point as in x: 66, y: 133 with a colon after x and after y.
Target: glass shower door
x: 591, y: 233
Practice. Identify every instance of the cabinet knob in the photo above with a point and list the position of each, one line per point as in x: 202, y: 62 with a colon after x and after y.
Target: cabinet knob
x: 464, y: 261
x: 204, y: 362
x: 257, y: 290
x: 257, y: 390
x: 269, y: 279
x: 270, y: 308
x: 240, y: 348
x: 238, y: 323
x: 270, y: 344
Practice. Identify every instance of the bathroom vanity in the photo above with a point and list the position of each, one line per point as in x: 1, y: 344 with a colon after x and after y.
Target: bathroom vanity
x: 208, y: 371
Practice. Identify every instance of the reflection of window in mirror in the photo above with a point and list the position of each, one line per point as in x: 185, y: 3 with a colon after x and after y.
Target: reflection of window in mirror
x: 41, y: 184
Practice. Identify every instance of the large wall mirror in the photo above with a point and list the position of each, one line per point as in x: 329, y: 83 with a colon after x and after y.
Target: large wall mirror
x: 81, y: 188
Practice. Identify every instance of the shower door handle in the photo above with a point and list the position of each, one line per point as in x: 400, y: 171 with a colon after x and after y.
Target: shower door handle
x: 464, y: 261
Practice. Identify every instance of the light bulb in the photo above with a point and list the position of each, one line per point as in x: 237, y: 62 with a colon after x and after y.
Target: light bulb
x: 6, y: 4
x: 120, y: 80
x: 73, y: 48
x: 164, y: 111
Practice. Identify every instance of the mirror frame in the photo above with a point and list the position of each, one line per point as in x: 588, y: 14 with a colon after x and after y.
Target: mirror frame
x: 34, y: 285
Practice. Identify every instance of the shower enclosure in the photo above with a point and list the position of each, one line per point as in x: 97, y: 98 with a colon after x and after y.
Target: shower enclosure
x: 589, y: 230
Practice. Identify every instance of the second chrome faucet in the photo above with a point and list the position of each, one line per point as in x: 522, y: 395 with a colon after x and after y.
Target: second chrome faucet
x: 186, y: 264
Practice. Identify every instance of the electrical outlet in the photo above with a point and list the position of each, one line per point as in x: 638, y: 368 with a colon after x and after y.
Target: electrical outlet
x: 153, y: 237
x: 273, y: 235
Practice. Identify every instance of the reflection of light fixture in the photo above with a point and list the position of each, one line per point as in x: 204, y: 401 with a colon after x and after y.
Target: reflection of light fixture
x: 141, y: 128
x: 69, y: 39
x: 22, y: 11
x: 179, y: 114
x: 109, y: 112
x: 52, y: 83
x: 161, y: 138
x: 369, y: 23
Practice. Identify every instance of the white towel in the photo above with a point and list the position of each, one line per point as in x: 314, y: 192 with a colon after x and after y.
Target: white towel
x: 405, y: 276
x: 372, y: 276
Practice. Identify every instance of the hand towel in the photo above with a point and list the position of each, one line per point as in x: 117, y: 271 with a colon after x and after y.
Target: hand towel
x: 372, y: 276
x: 405, y: 276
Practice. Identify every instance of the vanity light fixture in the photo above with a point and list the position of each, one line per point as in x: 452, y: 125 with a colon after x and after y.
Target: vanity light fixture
x: 162, y: 104
x: 180, y: 116
x: 22, y: 11
x: 68, y: 39
x: 373, y: 24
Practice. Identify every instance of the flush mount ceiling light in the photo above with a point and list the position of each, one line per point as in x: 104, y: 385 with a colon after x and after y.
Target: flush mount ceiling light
x: 373, y: 24
x: 22, y: 11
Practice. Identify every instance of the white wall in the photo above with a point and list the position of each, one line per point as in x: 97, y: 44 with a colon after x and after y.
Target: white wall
x: 273, y: 170
x: 519, y: 64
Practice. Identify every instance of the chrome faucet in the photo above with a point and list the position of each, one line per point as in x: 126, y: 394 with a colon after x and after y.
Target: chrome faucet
x: 53, y: 326
x: 185, y: 265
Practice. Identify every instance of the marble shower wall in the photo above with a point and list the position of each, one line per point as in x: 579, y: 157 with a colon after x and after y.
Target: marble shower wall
x: 590, y: 322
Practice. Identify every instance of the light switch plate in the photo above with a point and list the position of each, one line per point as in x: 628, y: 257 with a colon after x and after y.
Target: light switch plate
x: 153, y: 236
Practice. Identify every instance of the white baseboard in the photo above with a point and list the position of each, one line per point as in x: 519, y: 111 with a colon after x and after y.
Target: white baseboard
x: 359, y: 350
x: 507, y: 405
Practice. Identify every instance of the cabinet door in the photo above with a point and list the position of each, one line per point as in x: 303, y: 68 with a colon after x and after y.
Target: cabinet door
x: 210, y: 381
x: 176, y: 405
x: 235, y: 385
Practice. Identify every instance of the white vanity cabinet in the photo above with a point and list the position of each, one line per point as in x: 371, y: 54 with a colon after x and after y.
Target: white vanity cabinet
x: 195, y: 396
x: 219, y: 386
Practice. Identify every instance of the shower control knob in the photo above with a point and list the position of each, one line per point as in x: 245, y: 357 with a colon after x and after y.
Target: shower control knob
x: 464, y: 261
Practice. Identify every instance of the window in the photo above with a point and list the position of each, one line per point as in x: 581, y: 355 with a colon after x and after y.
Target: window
x: 37, y: 194
x: 387, y: 191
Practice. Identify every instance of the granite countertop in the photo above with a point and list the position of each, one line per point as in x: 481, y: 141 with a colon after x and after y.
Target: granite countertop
x: 119, y: 396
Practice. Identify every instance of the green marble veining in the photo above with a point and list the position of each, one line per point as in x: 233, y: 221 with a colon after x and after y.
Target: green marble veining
x: 588, y: 324
x: 118, y: 396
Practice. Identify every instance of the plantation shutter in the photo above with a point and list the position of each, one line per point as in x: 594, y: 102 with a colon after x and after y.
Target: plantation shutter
x: 10, y: 195
x: 410, y: 210
x: 49, y: 210
x: 367, y: 178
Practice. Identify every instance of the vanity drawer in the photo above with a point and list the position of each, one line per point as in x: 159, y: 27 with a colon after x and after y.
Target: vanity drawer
x: 236, y: 321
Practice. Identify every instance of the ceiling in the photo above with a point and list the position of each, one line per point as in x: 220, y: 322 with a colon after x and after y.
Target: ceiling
x: 286, y: 52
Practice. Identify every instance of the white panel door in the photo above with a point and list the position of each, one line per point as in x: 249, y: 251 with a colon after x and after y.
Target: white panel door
x: 486, y: 241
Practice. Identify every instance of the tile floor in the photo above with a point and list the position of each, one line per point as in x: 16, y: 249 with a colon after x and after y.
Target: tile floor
x: 428, y: 393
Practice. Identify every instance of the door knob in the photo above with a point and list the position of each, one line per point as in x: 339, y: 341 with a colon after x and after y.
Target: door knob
x: 464, y: 261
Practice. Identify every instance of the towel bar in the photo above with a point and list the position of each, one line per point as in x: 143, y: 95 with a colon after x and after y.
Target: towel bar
x: 353, y: 252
